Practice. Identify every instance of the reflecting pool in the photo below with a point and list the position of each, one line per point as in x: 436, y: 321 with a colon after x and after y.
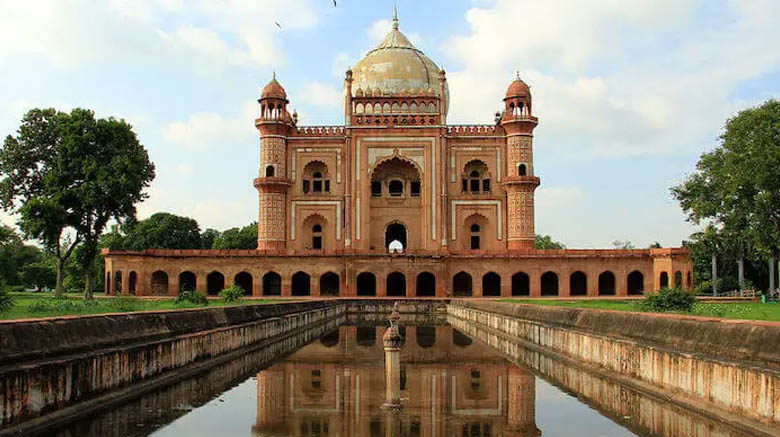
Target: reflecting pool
x: 451, y: 385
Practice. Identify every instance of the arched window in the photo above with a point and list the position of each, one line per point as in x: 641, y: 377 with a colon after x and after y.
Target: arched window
x: 366, y: 284
x: 396, y: 188
x: 272, y: 284
x: 134, y: 279
x: 359, y: 108
x: 316, y: 237
x: 606, y: 283
x: 215, y: 282
x: 521, y: 284
x: 476, y: 233
x: 521, y: 170
x: 315, y: 178
x: 159, y: 283
x: 244, y: 280
x: 491, y: 284
x: 301, y: 284
x: 678, y: 279
x: 396, y: 284
x: 664, y: 280
x: 549, y: 283
x: 476, y: 178
x: 187, y: 281
x: 578, y: 284
x: 395, y: 232
x: 329, y: 284
x: 269, y: 171
x: 426, y: 284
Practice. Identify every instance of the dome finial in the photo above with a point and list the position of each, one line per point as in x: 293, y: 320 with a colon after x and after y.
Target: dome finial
x: 395, y: 16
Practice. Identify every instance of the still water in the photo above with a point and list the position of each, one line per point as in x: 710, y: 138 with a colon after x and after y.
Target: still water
x: 452, y: 385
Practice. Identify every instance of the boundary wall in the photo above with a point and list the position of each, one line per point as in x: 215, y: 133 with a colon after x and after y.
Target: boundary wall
x: 731, y: 367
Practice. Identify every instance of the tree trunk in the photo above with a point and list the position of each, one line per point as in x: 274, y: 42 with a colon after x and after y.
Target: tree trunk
x: 714, y: 274
x: 89, y: 285
x: 772, y: 274
x: 59, y: 290
x: 741, y: 269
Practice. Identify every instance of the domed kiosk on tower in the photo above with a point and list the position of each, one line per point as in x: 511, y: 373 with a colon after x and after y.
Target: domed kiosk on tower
x: 455, y: 201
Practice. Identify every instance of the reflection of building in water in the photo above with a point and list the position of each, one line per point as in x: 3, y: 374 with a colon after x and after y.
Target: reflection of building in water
x: 450, y: 386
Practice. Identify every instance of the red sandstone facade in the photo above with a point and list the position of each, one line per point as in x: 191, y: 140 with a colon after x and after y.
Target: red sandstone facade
x: 396, y: 202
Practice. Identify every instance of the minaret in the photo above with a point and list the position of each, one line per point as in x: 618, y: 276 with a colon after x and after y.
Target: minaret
x: 274, y: 125
x: 520, y: 182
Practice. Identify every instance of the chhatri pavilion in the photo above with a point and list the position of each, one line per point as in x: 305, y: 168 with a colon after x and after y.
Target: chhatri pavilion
x: 396, y: 202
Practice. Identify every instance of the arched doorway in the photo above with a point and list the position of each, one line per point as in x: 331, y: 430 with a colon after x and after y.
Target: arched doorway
x: 395, y: 232
x: 678, y: 279
x: 272, y: 284
x: 301, y: 284
x: 159, y: 283
x: 329, y: 284
x: 549, y: 283
x: 636, y: 283
x: 187, y: 281
x: 132, y: 281
x: 118, y: 283
x: 521, y: 285
x: 426, y: 284
x: 245, y: 281
x: 366, y: 284
x: 462, y: 285
x: 664, y: 280
x: 491, y: 285
x: 607, y: 284
x: 578, y: 284
x: 215, y: 282
x: 396, y: 284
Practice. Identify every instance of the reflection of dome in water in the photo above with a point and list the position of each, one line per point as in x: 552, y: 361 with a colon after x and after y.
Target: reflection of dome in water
x: 396, y: 246
x: 397, y: 67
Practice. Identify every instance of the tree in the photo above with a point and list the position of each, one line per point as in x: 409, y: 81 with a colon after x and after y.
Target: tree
x: 39, y: 275
x: 736, y: 187
x: 162, y: 231
x: 208, y: 237
x: 546, y: 242
x: 111, y: 170
x: 32, y: 183
x: 238, y: 238
x: 625, y: 245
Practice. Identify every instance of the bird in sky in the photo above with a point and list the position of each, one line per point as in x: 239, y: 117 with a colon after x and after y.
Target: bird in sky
x: 334, y: 3
x: 277, y: 24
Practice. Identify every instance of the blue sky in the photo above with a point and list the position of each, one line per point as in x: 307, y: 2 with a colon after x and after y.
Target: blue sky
x: 628, y: 94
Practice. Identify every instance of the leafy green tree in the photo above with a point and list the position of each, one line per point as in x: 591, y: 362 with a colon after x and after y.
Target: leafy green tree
x: 736, y: 187
x: 39, y: 275
x: 33, y: 185
x: 162, y: 231
x: 208, y: 237
x: 237, y: 238
x: 72, y: 172
x: 546, y: 242
x: 112, y: 170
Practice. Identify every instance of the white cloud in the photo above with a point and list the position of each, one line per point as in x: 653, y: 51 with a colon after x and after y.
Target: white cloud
x: 209, y: 129
x: 614, y: 78
x: 321, y: 94
x: 234, y: 32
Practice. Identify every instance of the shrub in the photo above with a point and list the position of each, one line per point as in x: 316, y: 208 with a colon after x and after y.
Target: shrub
x: 669, y: 299
x: 232, y: 294
x: 193, y: 296
x: 125, y: 304
x: 6, y: 301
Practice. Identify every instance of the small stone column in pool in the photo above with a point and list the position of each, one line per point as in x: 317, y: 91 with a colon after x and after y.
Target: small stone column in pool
x: 392, y: 343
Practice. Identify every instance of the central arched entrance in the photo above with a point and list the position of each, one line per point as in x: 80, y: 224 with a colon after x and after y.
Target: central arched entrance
x: 395, y: 232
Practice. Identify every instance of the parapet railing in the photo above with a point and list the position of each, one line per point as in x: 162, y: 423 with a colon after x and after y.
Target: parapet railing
x: 473, y: 129
x: 319, y: 131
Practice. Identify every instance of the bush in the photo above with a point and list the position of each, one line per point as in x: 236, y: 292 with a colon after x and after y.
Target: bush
x: 232, y: 294
x: 194, y: 297
x: 6, y: 301
x: 669, y: 299
x: 125, y: 304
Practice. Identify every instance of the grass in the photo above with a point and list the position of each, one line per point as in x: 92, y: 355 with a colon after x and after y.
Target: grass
x: 33, y: 305
x: 737, y: 310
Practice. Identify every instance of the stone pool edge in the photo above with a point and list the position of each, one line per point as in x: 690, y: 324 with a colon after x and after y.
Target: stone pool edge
x: 658, y: 355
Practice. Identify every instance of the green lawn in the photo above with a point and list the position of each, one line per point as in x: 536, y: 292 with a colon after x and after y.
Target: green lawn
x: 740, y: 310
x: 25, y: 305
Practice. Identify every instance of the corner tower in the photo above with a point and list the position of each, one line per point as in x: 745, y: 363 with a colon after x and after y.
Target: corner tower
x: 274, y: 124
x: 520, y: 181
